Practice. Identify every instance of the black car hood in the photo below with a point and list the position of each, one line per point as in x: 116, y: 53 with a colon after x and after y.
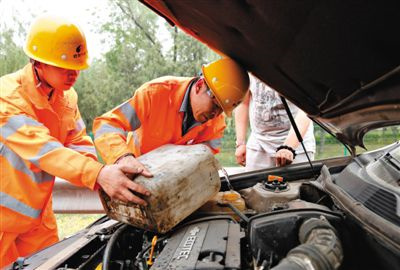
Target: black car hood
x: 339, y: 61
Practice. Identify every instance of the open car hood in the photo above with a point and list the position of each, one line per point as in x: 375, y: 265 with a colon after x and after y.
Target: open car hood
x: 338, y: 61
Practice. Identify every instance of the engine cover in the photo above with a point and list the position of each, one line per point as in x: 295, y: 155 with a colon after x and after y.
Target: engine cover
x: 203, y: 244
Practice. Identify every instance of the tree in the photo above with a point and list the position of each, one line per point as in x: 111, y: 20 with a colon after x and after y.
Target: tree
x: 12, y: 57
x: 135, y: 57
x: 187, y: 54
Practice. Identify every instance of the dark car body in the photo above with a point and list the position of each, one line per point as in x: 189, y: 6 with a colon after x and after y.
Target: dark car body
x: 339, y: 61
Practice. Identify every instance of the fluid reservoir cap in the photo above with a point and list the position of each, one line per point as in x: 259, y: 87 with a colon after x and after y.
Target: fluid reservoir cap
x: 276, y: 184
x: 272, y: 178
x: 230, y: 196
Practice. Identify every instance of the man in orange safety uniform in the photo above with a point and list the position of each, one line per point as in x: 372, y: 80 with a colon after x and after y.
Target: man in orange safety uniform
x: 43, y: 135
x: 172, y: 110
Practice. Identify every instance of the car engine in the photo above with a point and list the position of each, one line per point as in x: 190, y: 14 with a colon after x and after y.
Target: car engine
x: 284, y: 225
x: 345, y: 218
x: 277, y: 224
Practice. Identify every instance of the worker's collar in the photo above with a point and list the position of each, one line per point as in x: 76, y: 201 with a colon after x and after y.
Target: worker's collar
x: 36, y: 91
x: 42, y: 85
x: 186, y: 98
x: 188, y: 119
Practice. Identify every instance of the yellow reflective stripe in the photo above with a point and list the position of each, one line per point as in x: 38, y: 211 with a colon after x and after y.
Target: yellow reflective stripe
x: 18, y: 206
x: 19, y: 165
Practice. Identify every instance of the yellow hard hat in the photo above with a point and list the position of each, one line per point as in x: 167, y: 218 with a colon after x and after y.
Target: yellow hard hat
x: 228, y: 81
x: 58, y: 42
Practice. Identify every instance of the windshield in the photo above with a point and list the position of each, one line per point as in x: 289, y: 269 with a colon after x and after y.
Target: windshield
x: 380, y: 137
x: 327, y: 146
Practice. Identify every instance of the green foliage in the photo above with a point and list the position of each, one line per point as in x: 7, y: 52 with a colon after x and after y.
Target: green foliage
x: 135, y: 57
x: 94, y: 88
x: 69, y: 224
x: 12, y: 57
x: 187, y: 55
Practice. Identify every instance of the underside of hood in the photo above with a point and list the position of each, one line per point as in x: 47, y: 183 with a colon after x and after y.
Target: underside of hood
x: 339, y: 61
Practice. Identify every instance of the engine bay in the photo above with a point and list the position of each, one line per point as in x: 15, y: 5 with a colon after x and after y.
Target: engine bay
x: 274, y: 224
x: 294, y: 221
x: 256, y: 240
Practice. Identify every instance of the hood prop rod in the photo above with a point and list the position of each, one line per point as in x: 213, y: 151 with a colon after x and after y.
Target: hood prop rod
x: 298, y: 135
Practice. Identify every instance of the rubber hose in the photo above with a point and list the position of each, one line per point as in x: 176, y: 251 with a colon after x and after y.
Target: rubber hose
x: 321, y: 247
x: 109, y: 248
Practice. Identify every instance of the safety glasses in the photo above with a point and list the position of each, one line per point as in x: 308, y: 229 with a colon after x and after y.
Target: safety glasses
x: 216, y: 107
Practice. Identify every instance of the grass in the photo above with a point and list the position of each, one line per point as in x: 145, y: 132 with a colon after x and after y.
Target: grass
x: 68, y: 224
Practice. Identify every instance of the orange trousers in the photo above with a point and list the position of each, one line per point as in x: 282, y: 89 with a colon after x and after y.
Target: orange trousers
x: 14, y: 245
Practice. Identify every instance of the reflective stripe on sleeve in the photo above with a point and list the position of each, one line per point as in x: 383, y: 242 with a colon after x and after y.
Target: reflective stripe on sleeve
x: 216, y: 143
x: 136, y: 139
x: 83, y: 148
x: 49, y: 146
x: 19, y: 165
x: 17, y: 206
x: 106, y: 128
x: 16, y: 122
x: 130, y: 114
x: 79, y: 125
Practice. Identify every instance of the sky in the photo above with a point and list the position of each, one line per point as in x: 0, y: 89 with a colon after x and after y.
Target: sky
x: 87, y: 13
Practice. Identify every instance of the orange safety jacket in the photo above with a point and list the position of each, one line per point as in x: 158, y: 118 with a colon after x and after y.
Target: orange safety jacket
x: 39, y: 139
x: 153, y: 117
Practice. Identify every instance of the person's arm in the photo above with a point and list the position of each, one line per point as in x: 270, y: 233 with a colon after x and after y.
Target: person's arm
x: 78, y: 140
x: 241, y: 115
x: 110, y: 131
x: 285, y: 156
x: 31, y: 141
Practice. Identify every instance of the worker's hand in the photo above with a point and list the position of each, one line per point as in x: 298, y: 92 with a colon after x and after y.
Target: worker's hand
x: 132, y: 162
x: 240, y: 154
x: 283, y: 157
x: 114, y: 182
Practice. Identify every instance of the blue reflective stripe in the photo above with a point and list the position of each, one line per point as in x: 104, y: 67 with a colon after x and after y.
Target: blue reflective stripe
x: 50, y: 146
x: 83, y: 148
x: 19, y: 165
x: 17, y: 206
x: 130, y: 114
x: 15, y: 122
x: 105, y: 128
x: 79, y: 125
x: 216, y: 143
x: 136, y: 139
